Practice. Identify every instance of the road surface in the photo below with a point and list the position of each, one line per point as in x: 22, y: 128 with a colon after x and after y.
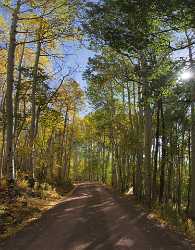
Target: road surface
x: 95, y: 218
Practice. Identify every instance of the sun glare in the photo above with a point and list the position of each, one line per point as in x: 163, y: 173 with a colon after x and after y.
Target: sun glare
x: 186, y: 75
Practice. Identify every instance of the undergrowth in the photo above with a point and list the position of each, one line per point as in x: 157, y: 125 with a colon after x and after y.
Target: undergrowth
x: 170, y: 217
x: 28, y: 204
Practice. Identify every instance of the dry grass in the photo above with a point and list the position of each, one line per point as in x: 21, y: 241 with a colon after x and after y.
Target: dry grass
x: 172, y: 220
x: 27, y: 207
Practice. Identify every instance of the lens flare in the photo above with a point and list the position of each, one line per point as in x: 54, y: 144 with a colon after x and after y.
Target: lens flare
x: 186, y: 75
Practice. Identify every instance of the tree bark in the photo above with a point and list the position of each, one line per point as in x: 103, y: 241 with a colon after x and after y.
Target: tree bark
x: 154, y: 187
x: 163, y: 160
x: 147, y: 149
x: 9, y: 93
x: 33, y: 99
x: 192, y: 129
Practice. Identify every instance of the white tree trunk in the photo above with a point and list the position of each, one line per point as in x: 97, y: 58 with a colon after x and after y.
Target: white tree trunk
x: 9, y: 93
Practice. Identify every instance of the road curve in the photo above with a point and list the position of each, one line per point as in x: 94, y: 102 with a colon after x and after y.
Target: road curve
x: 95, y: 218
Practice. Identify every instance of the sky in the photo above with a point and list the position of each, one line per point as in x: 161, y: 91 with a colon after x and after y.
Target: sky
x: 78, y: 56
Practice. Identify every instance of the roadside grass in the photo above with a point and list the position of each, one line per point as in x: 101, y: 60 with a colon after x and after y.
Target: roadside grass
x: 165, y: 215
x: 169, y: 217
x: 29, y: 205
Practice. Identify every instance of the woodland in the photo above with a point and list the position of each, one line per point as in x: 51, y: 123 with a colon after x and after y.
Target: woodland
x: 139, y: 133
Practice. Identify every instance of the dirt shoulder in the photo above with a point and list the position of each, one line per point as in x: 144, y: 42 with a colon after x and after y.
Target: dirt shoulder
x: 28, y: 206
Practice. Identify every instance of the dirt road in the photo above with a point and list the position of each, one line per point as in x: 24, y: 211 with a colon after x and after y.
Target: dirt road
x: 94, y: 218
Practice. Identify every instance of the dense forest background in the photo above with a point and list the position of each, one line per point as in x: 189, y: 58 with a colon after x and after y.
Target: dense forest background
x: 140, y: 132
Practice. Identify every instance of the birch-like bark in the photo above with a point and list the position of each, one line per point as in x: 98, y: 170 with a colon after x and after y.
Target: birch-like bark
x: 33, y: 100
x: 9, y: 93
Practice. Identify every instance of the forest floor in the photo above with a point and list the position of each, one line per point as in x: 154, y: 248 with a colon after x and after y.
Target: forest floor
x: 94, y: 217
x: 27, y: 207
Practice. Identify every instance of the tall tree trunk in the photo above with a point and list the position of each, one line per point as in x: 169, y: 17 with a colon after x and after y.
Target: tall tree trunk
x: 154, y: 187
x: 147, y: 146
x: 2, y: 150
x: 129, y: 106
x: 16, y: 102
x: 64, y: 146
x: 33, y: 99
x: 139, y: 148
x: 163, y: 160
x: 189, y: 169
x: 192, y: 128
x: 170, y: 167
x: 9, y: 93
x: 193, y: 151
